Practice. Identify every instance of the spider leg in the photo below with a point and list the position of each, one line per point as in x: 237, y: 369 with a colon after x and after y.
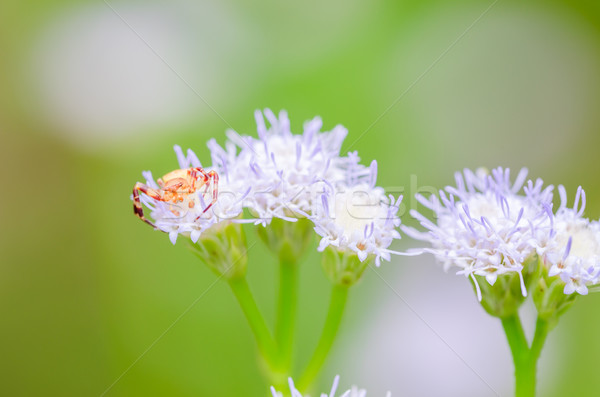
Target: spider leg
x: 206, y: 186
x: 137, y: 204
x: 195, y: 174
x: 214, y: 177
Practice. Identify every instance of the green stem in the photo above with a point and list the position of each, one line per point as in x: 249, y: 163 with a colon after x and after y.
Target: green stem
x: 525, y: 373
x: 524, y: 358
x: 264, y: 340
x: 516, y: 337
x: 337, y: 302
x: 541, y: 332
x: 286, y: 312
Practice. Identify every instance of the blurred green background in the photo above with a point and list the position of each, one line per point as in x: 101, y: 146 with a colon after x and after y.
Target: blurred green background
x: 95, y: 92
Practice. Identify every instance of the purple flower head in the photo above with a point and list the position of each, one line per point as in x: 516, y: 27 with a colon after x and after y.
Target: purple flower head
x: 486, y: 225
x: 573, y: 253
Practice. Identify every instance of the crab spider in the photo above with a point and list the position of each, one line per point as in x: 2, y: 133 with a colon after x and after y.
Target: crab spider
x: 177, y: 187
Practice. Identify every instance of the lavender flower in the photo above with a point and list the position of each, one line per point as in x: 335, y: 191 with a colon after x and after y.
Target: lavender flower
x: 290, y: 177
x: 485, y: 226
x: 360, y: 219
x: 284, y: 169
x: 574, y: 254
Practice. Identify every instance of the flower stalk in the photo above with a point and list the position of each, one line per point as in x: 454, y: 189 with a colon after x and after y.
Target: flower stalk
x: 288, y: 241
x: 286, y: 311
x: 337, y: 303
x: 525, y: 357
x: 260, y: 330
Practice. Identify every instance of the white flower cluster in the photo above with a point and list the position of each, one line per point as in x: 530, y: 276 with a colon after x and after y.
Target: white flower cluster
x: 287, y: 176
x: 485, y: 226
x: 352, y: 392
x: 488, y: 226
x: 284, y: 171
x: 360, y: 218
x: 575, y: 251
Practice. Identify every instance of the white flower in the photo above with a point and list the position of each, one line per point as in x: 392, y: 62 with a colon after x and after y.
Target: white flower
x: 283, y: 169
x: 190, y: 217
x: 485, y: 226
x: 353, y: 392
x: 575, y: 251
x: 360, y: 218
x: 287, y: 176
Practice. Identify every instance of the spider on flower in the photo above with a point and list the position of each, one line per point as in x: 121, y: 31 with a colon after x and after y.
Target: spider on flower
x: 177, y: 188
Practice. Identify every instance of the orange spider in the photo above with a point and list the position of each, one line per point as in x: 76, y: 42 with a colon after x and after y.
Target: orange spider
x: 176, y: 188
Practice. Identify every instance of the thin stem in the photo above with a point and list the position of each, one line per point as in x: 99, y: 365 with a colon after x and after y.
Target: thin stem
x: 339, y: 294
x: 264, y: 340
x: 286, y: 312
x: 516, y: 337
x: 524, y: 378
x: 525, y: 358
x: 525, y: 374
x: 541, y: 332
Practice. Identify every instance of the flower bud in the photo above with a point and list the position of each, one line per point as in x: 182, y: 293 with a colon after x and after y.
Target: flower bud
x: 223, y: 248
x: 343, y: 266
x: 288, y: 240
x: 549, y: 297
x: 508, y: 292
